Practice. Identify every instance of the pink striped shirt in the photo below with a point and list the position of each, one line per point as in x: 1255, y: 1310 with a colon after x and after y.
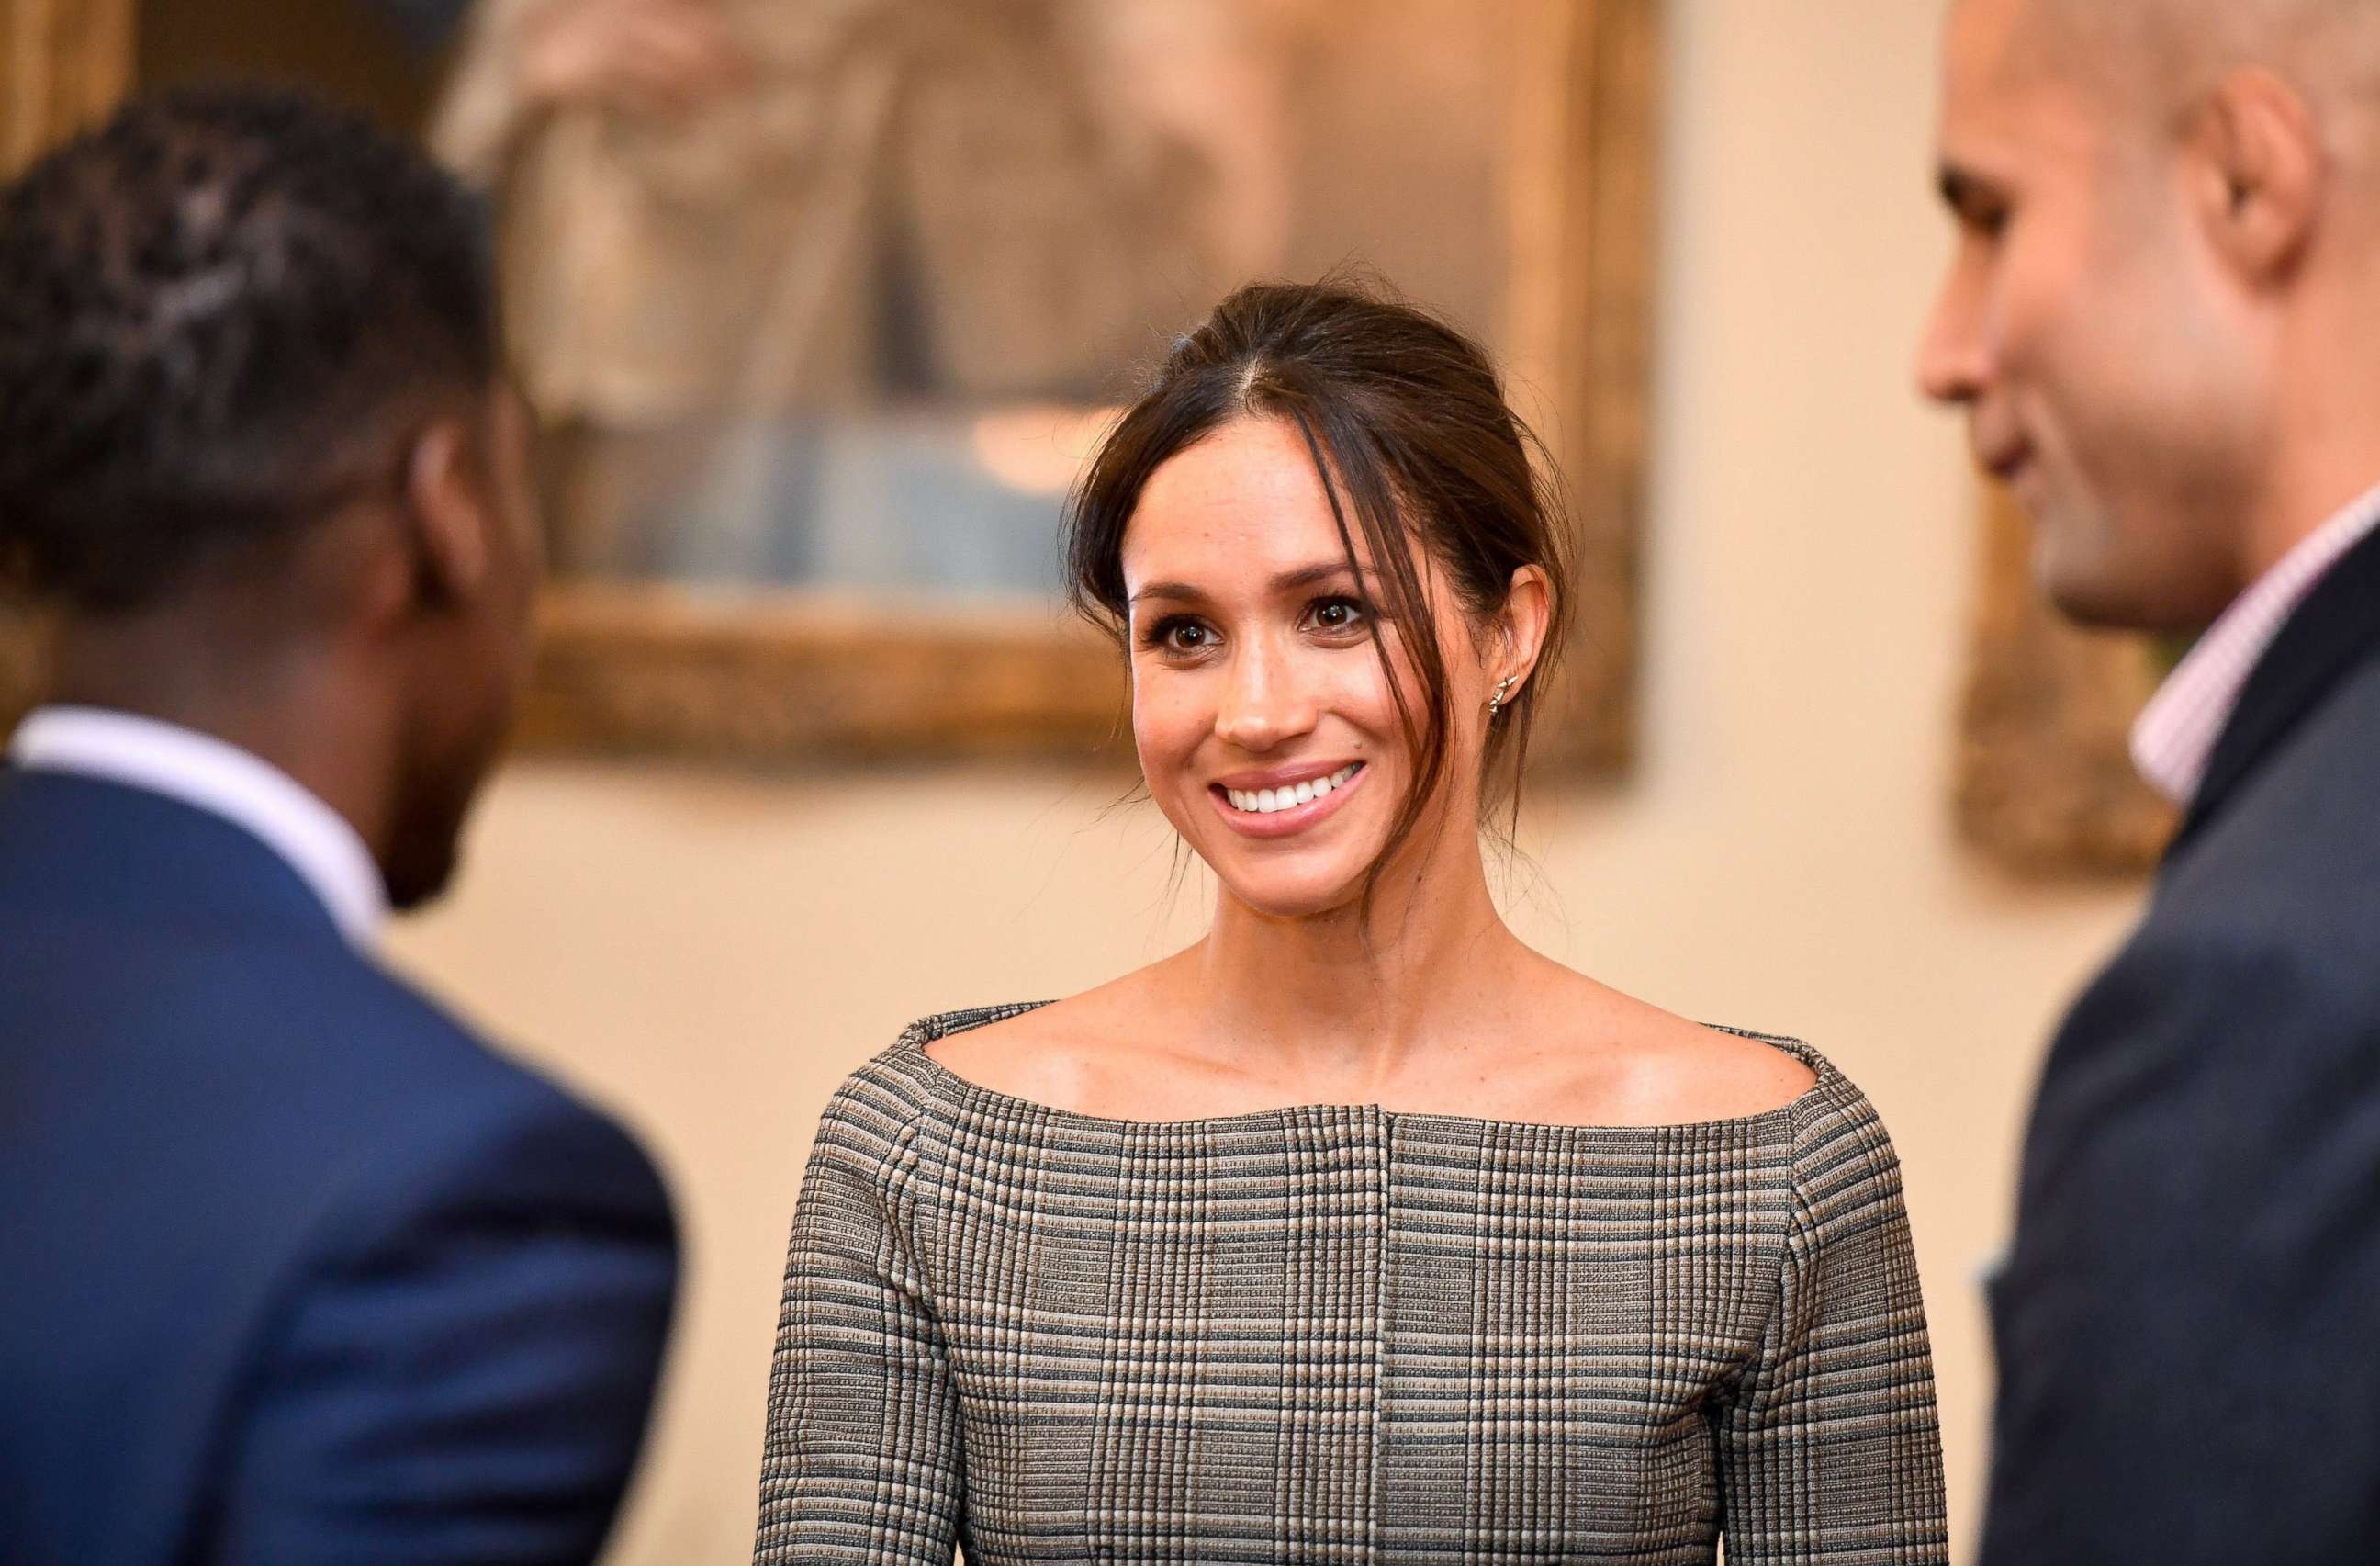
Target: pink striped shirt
x: 2174, y: 738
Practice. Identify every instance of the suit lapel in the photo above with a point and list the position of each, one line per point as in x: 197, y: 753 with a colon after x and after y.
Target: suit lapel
x: 2335, y: 629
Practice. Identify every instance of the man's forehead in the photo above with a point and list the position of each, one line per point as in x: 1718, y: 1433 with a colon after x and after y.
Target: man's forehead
x: 2004, y: 94
x: 1994, y: 51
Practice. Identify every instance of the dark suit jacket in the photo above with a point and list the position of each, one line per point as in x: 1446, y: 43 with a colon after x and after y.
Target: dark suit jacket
x: 292, y: 1269
x: 2188, y: 1330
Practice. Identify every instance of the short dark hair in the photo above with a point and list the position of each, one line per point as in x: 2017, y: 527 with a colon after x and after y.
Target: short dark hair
x: 211, y: 308
x: 1403, y: 414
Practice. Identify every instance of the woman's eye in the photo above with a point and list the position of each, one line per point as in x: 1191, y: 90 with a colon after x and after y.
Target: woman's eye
x: 1179, y: 636
x: 1337, y: 614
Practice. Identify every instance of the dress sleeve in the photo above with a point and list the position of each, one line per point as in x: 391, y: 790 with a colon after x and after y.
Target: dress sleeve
x: 862, y: 1458
x: 1829, y: 1448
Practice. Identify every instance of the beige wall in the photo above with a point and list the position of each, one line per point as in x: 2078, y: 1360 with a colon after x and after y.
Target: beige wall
x: 710, y: 955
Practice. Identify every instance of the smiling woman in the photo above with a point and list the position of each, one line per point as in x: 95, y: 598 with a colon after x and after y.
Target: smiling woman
x: 1358, y: 1225
x: 1355, y: 463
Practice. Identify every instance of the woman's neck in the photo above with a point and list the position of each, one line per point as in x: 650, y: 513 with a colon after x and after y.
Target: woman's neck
x: 1314, y: 999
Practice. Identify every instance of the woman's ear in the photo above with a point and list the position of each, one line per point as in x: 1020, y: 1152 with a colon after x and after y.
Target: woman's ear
x: 1520, y: 626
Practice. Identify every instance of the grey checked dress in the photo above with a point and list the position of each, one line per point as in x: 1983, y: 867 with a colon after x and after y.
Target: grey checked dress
x: 1345, y: 1335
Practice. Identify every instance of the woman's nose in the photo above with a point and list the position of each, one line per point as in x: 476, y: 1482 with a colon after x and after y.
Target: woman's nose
x: 1264, y: 702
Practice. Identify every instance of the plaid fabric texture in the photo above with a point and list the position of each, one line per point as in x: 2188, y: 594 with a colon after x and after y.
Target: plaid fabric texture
x: 1345, y: 1335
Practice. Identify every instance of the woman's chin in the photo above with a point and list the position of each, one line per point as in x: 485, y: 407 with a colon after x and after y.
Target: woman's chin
x: 1303, y: 896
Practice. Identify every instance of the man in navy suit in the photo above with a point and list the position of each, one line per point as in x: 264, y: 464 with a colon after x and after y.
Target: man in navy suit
x: 2163, y: 319
x: 293, y: 1268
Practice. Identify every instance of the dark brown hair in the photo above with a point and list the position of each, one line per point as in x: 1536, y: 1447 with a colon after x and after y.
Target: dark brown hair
x: 1406, y: 416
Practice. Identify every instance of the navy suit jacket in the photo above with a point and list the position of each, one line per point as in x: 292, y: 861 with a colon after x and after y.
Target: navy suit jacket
x: 2188, y: 1330
x: 292, y: 1268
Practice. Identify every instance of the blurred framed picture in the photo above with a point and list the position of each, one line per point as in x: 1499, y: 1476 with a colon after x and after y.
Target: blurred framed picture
x: 817, y: 358
x: 2045, y: 785
x: 65, y: 64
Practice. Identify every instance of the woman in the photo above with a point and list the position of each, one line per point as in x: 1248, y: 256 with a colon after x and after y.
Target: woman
x: 1527, y: 1270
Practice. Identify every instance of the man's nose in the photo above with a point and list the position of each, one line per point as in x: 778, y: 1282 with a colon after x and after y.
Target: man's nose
x: 1952, y: 359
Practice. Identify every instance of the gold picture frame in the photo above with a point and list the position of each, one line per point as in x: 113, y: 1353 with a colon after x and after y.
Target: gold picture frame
x: 636, y: 669
x: 657, y: 670
x: 64, y: 63
x: 2046, y: 785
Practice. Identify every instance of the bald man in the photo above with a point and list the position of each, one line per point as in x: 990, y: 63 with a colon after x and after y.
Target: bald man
x: 2163, y: 324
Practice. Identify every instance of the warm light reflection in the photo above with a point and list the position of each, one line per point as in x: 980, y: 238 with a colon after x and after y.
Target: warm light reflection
x: 1038, y: 448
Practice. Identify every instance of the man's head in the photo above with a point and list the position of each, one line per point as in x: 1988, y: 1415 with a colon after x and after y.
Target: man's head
x: 257, y: 451
x: 2165, y: 283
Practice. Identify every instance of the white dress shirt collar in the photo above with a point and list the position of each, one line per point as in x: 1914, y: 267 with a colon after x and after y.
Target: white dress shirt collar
x: 224, y: 780
x: 2173, y: 742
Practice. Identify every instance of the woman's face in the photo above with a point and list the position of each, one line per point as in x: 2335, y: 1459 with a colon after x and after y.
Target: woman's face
x: 1265, y: 726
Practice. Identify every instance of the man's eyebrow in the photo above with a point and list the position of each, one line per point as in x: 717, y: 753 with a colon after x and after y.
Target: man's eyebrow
x: 1963, y: 189
x: 1286, y: 581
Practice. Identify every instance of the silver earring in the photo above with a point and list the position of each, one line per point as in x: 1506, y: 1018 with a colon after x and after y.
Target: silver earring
x: 1504, y: 688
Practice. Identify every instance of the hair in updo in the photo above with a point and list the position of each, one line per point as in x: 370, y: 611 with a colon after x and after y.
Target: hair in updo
x: 1415, y: 445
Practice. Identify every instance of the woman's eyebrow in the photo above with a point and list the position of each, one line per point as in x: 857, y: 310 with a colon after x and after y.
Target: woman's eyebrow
x: 1286, y: 581
x: 1310, y: 576
x: 1179, y: 590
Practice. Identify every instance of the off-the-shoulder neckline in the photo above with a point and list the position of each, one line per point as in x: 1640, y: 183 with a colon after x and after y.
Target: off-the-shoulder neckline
x: 925, y: 1030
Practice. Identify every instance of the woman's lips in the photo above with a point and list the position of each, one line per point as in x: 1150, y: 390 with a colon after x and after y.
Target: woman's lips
x: 1288, y: 820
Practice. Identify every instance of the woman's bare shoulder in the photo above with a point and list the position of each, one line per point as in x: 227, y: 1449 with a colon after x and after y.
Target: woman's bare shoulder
x: 1063, y: 1054
x: 1734, y: 1076
x: 1665, y: 1070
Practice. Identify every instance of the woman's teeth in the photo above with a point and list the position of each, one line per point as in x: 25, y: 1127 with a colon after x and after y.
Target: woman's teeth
x: 1264, y: 802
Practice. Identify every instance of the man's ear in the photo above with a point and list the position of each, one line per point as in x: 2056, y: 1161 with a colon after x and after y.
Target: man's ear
x: 447, y: 514
x: 2258, y: 173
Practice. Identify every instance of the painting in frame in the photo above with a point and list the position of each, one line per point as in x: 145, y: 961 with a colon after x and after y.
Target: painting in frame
x: 1519, y: 201
x: 2045, y: 785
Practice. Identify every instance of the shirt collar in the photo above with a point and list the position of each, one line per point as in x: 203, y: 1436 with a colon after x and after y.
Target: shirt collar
x: 2174, y: 739
x: 224, y: 780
